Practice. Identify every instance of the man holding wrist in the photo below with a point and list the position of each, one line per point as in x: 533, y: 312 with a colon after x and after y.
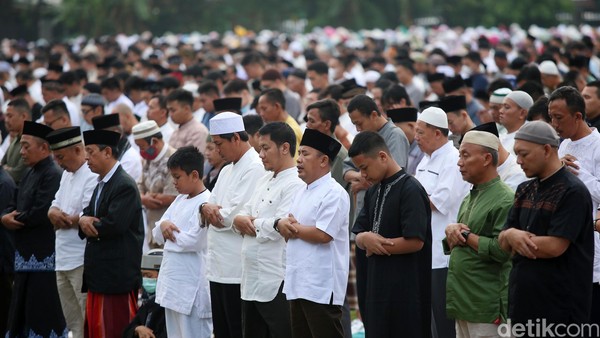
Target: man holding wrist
x: 394, y: 228
x: 549, y: 232
x: 476, y: 289
x: 233, y: 190
x: 317, y: 252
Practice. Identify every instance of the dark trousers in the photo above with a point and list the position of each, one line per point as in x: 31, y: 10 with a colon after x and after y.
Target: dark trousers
x: 310, y: 319
x: 267, y: 319
x: 226, y: 307
x: 35, y: 307
x: 595, y: 314
x: 6, y: 281
x: 441, y: 325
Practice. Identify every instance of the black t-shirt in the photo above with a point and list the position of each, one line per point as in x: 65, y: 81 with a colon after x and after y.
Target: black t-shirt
x: 557, y: 289
x: 399, y: 286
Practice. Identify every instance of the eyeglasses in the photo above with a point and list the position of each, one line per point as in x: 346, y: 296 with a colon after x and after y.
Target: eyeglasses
x: 85, y: 112
x: 49, y: 124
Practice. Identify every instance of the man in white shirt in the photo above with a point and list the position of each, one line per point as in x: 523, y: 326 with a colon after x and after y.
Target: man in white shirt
x: 440, y: 177
x: 580, y: 151
x: 513, y: 115
x: 157, y: 111
x: 318, y: 246
x: 234, y: 188
x: 54, y: 90
x: 113, y: 93
x: 76, y: 187
x: 265, y: 311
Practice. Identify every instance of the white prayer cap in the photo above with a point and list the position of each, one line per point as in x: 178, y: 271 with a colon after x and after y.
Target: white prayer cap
x: 482, y: 138
x: 521, y: 98
x: 549, y: 68
x: 226, y: 123
x: 145, y: 129
x: 499, y: 94
x: 372, y: 76
x: 435, y: 117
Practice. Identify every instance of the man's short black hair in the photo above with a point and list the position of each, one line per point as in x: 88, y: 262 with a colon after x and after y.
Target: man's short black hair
x: 69, y: 77
x: 58, y: 107
x: 318, y: 67
x: 21, y: 105
x: 329, y: 110
x: 182, y: 96
x: 253, y: 123
x: 539, y: 109
x: 394, y: 94
x: 188, y: 159
x: 595, y: 84
x: 572, y: 97
x: 235, y: 86
x: 364, y: 104
x: 274, y: 95
x: 368, y: 143
x: 280, y: 133
x: 111, y: 83
x: 251, y: 58
x: 334, y: 91
x: 208, y: 87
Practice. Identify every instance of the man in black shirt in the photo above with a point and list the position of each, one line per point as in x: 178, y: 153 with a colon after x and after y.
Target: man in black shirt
x: 394, y: 228
x: 549, y: 231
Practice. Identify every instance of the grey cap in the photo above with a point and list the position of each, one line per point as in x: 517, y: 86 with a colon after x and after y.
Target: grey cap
x: 93, y: 100
x: 538, y: 132
x: 521, y: 98
x: 152, y: 260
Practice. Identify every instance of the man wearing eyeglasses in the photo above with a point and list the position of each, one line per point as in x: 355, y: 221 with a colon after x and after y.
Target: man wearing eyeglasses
x: 92, y: 105
x: 56, y: 114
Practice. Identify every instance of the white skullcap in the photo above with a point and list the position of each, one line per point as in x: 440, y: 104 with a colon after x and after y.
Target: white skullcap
x: 482, y: 138
x: 499, y: 94
x: 145, y: 129
x: 549, y: 68
x: 435, y: 117
x: 521, y: 98
x: 226, y: 123
x: 372, y: 76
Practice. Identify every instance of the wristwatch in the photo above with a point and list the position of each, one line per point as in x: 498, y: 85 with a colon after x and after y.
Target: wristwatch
x: 275, y: 225
x: 465, y: 234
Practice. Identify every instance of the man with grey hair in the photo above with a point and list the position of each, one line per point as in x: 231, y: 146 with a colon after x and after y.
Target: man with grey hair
x: 513, y: 115
x: 476, y: 293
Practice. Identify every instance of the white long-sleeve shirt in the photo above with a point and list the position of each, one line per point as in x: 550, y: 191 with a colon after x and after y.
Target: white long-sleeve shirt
x: 263, y: 256
x: 510, y: 172
x: 440, y: 177
x: 587, y: 152
x: 182, y: 285
x: 72, y: 197
x: 316, y: 272
x: 233, y: 190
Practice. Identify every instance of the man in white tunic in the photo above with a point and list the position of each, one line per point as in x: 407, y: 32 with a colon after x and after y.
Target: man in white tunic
x: 182, y: 288
x: 234, y: 188
x: 76, y: 187
x: 513, y: 115
x: 439, y: 175
x: 265, y: 311
x: 318, y: 247
x: 580, y: 151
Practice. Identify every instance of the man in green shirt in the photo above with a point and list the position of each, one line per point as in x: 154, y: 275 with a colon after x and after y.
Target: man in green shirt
x: 476, y: 289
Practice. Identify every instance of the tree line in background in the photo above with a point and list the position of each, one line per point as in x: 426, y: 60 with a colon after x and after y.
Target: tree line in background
x: 31, y: 19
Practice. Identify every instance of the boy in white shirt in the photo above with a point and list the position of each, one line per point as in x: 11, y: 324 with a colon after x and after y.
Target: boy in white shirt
x: 182, y: 288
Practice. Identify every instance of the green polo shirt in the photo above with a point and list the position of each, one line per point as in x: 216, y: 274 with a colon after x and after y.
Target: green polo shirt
x: 477, y: 285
